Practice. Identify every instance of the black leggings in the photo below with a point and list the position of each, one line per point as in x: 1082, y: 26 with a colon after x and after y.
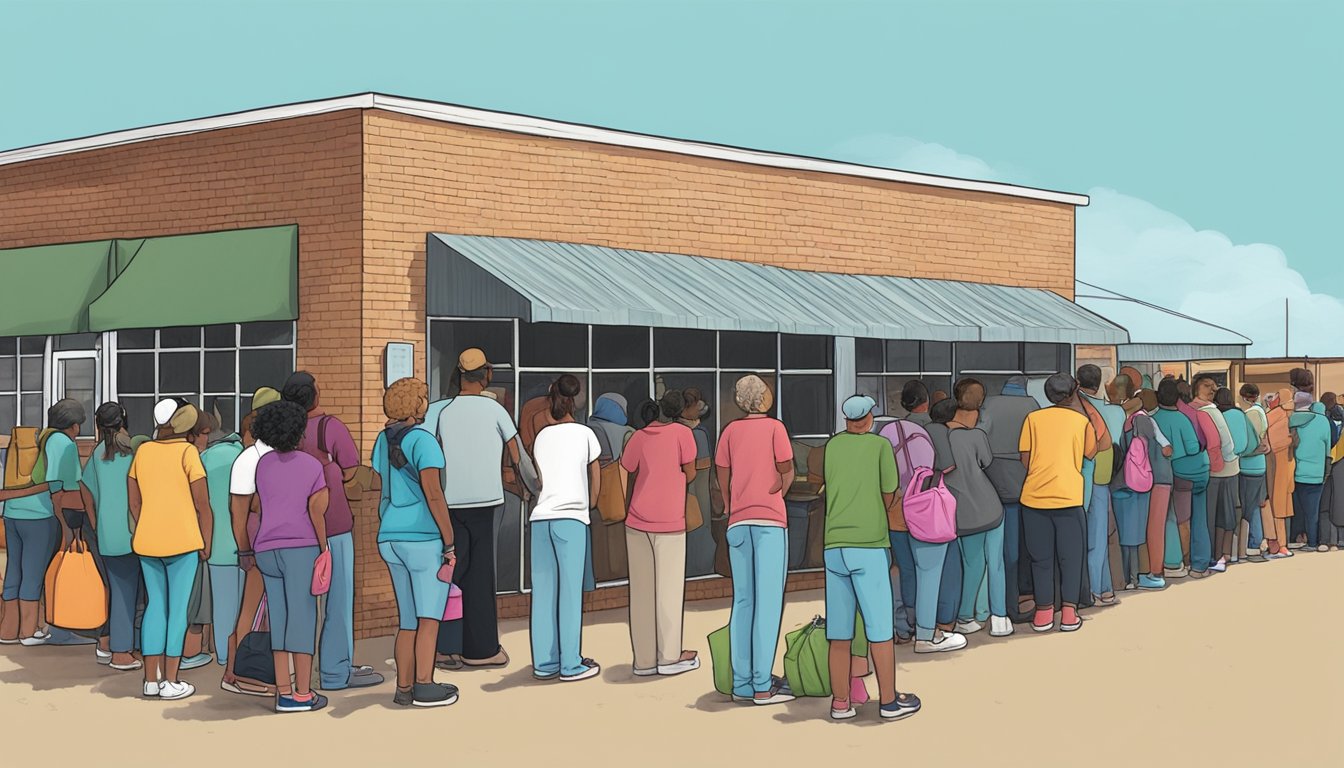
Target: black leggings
x: 477, y: 635
x: 1054, y: 539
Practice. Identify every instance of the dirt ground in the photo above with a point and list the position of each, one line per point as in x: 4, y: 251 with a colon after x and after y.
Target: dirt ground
x: 1240, y: 669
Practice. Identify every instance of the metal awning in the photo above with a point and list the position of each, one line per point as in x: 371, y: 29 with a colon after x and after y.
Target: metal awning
x: 1160, y: 335
x: 546, y: 281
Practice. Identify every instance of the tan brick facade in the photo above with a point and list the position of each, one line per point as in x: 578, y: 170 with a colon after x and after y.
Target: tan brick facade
x: 366, y: 187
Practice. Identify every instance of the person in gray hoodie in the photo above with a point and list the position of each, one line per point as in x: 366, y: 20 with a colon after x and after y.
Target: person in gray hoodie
x: 1002, y: 417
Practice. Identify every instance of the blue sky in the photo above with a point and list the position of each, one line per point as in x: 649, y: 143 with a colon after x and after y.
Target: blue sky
x: 1225, y: 114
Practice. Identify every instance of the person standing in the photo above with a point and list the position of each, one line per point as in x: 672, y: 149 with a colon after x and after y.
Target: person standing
x: 1189, y: 466
x: 1332, y: 500
x: 754, y: 462
x: 415, y: 539
x: 1002, y: 417
x: 226, y: 578
x: 474, y: 432
x: 1252, y: 484
x: 1098, y: 509
x: 1194, y: 515
x: 170, y: 504
x: 941, y: 415
x: 661, y: 461
x: 700, y: 542
x: 327, y: 439
x: 1131, y: 505
x: 1222, y: 495
x: 915, y: 401
x: 1281, y: 470
x: 979, y: 517
x: 861, y: 485
x: 1312, y: 456
x: 1053, y: 445
x: 566, y: 456
x: 1159, y: 498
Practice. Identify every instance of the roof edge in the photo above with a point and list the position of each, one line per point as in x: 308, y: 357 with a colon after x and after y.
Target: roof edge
x: 531, y: 126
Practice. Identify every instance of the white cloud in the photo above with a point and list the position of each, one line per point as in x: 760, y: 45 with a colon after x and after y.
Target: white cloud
x: 1133, y: 247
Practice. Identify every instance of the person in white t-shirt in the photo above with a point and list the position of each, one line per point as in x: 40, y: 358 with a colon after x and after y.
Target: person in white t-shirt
x: 566, y: 459
x: 242, y: 498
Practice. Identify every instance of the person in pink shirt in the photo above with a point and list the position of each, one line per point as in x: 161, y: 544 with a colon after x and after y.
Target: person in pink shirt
x: 661, y: 461
x: 754, y: 462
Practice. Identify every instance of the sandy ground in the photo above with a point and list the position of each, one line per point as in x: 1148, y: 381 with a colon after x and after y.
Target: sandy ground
x: 1215, y: 671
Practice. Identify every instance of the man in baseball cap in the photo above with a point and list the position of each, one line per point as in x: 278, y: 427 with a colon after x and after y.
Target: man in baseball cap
x: 472, y: 360
x: 861, y: 486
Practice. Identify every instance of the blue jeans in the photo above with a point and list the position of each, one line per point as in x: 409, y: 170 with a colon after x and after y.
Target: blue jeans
x: 949, y: 585
x: 168, y: 585
x: 558, y: 551
x: 1307, y: 505
x: 1012, y: 556
x: 1098, y: 530
x: 929, y: 561
x: 414, y: 568
x: 226, y: 599
x: 31, y: 546
x: 981, y: 558
x: 336, y: 651
x: 858, y: 580
x: 758, y: 556
x: 125, y: 587
x: 1201, y: 526
x: 1089, y: 468
x: 905, y: 583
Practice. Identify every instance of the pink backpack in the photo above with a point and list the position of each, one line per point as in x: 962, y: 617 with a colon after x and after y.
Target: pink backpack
x: 930, y: 512
x: 1138, y: 470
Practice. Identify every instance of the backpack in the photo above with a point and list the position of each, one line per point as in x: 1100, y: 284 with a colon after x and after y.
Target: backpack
x: 930, y: 509
x: 1138, y: 469
x: 21, y: 457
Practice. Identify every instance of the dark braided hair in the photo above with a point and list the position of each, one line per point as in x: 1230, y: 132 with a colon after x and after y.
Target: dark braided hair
x: 111, y: 419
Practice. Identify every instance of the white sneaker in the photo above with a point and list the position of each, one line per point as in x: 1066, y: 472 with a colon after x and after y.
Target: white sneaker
x: 952, y: 641
x: 101, y: 656
x: 1219, y: 567
x: 151, y: 690
x: 680, y: 667
x: 650, y: 672
x: 170, y: 691
x: 1322, y: 548
x: 969, y: 627
x: 39, y: 638
x: 1000, y: 626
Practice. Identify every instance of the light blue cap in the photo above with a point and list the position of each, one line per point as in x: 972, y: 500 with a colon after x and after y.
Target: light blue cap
x: 858, y: 406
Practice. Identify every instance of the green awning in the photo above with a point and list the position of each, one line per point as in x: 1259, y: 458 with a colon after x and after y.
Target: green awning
x: 47, y: 289
x: 239, y: 276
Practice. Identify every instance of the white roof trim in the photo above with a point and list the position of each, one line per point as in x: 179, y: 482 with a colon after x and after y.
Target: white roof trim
x: 531, y: 126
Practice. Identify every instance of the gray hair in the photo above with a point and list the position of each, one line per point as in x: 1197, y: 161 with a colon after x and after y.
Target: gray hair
x: 750, y: 393
x: 64, y: 414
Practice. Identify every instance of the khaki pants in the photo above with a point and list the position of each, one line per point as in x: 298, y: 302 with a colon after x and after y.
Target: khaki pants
x: 657, y: 594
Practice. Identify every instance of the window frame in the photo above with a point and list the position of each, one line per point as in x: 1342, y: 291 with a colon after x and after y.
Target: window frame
x: 17, y: 394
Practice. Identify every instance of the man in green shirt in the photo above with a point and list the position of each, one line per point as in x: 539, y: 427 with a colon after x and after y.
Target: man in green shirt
x: 861, y: 485
x: 226, y: 578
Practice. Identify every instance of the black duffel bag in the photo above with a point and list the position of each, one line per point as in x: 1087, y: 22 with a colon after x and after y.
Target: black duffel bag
x: 253, y: 659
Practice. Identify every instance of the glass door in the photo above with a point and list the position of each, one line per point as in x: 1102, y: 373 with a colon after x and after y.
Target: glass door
x: 75, y: 376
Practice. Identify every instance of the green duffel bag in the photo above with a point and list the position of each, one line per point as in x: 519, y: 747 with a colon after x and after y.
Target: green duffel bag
x: 807, y: 657
x: 721, y: 660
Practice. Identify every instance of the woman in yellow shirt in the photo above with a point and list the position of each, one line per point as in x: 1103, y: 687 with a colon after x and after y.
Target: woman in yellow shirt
x: 170, y: 504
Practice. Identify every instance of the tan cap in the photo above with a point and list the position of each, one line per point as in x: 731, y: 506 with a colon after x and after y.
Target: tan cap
x: 264, y: 396
x: 471, y: 360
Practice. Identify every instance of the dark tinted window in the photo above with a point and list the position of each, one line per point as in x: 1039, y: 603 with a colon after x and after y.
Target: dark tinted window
x: 868, y: 355
x: 219, y: 371
x: 9, y: 345
x: 988, y: 356
x: 221, y: 336
x: 34, y: 345
x: 747, y: 351
x: 903, y: 356
x: 142, y: 338
x: 552, y: 345
x: 264, y: 368
x: 618, y: 346
x: 179, y: 372
x: 223, y: 406
x: 268, y: 334
x: 30, y: 374
x: 185, y: 337
x: 937, y: 356
x: 1046, y: 358
x: 76, y: 341
x: 806, y: 404
x: 683, y: 348
x: 805, y: 352
x: 135, y: 373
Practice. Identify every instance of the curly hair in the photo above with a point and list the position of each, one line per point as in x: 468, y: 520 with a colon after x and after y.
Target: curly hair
x: 402, y: 400
x: 751, y: 393
x: 280, y: 425
x: 300, y: 388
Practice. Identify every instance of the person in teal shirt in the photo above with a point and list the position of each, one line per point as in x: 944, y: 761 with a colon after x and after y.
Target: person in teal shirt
x: 1188, y: 463
x: 107, y: 505
x: 226, y: 578
x: 1312, y: 455
x: 33, y: 531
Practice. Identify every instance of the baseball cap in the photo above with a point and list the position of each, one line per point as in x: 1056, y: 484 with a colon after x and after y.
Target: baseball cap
x: 163, y: 412
x: 471, y: 360
x: 858, y: 406
x: 264, y: 396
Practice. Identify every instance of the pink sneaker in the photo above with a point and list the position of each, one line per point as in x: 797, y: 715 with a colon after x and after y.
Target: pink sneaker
x: 1068, y: 620
x: 1044, y: 620
x: 858, y: 692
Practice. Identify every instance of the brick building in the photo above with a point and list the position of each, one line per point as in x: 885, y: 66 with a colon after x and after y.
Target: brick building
x: 314, y: 235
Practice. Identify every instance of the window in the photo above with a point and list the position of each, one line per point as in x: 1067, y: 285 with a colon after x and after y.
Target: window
x: 21, y: 382
x: 448, y: 339
x: 743, y: 351
x: 552, y: 345
x: 616, y: 346
x: 884, y: 367
x: 216, y: 367
x: 684, y: 348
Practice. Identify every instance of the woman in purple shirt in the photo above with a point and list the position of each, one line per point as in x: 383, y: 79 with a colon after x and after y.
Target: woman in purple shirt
x: 292, y: 533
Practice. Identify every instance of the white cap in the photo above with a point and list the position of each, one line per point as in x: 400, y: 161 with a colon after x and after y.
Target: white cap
x: 163, y: 412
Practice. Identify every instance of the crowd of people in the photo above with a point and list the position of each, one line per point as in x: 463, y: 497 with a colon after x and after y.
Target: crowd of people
x: 971, y: 512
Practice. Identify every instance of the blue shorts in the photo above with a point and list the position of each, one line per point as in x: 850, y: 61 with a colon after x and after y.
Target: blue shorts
x: 414, y: 566
x: 858, y: 579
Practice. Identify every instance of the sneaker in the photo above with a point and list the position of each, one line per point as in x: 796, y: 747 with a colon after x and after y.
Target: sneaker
x: 650, y: 672
x: 1000, y: 626
x: 969, y: 627
x: 433, y: 695
x: 196, y: 662
x: 1296, y: 544
x: 364, y: 681
x: 1199, y: 574
x: 1176, y: 573
x: 590, y: 669
x: 1323, y: 548
x: 772, y: 696
x: 133, y: 666
x: 170, y: 691
x: 905, y: 705
x: 842, y: 710
x: 1043, y: 621
x: 1149, y: 581
x: 1218, y: 567
x: 451, y: 662
x: 315, y: 702
x: 102, y: 657
x: 1131, y: 586
x: 1069, y: 620
x: 1280, y: 555
x: 1107, y: 599
x: 951, y: 641
x: 39, y: 638
x: 404, y: 698
x: 151, y: 690
x: 680, y: 667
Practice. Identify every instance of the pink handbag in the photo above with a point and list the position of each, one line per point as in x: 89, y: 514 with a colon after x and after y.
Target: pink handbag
x: 322, y: 574
x: 452, y: 611
x: 930, y: 509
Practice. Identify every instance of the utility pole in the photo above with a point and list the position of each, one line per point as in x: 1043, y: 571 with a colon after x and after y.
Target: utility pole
x: 1285, y: 327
